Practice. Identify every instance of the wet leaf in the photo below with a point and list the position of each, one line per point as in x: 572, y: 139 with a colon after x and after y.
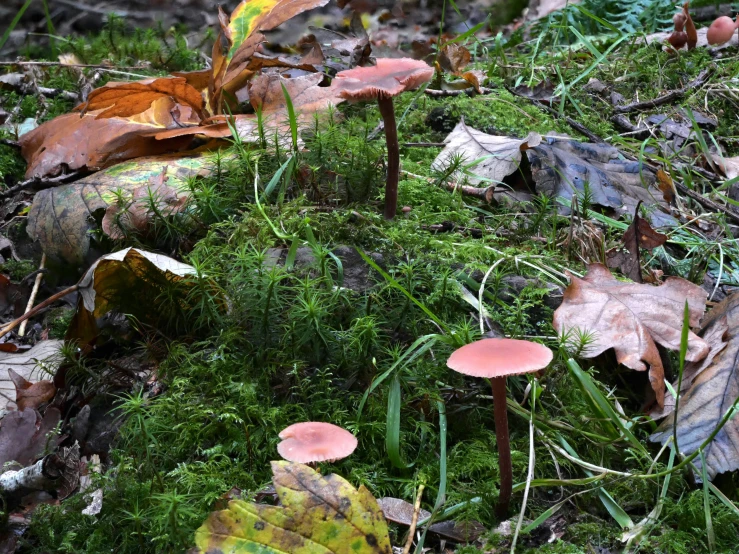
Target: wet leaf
x: 400, y: 511
x: 62, y: 218
x: 40, y: 361
x: 114, y: 279
x: 31, y: 395
x: 124, y: 99
x: 86, y: 143
x: 632, y: 319
x: 712, y: 389
x: 318, y: 514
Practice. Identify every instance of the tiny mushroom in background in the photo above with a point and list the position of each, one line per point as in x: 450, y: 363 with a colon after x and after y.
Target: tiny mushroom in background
x: 720, y: 30
x: 679, y: 37
x: 381, y: 82
x: 496, y: 359
x: 312, y: 441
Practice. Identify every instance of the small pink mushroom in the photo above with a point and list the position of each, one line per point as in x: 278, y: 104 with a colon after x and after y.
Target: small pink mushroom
x: 381, y: 82
x: 314, y: 441
x: 720, y: 30
x: 496, y: 359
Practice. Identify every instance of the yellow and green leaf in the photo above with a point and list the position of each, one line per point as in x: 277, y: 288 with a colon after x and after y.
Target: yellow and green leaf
x: 317, y: 515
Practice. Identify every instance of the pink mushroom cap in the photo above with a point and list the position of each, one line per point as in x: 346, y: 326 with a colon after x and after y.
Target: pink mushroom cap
x: 720, y: 30
x: 499, y: 358
x: 313, y: 441
x: 388, y: 78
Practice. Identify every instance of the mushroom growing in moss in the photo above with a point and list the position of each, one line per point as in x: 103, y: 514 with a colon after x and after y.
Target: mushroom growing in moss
x: 720, y: 31
x: 313, y: 441
x: 381, y: 82
x: 690, y: 29
x: 496, y: 359
x: 679, y: 37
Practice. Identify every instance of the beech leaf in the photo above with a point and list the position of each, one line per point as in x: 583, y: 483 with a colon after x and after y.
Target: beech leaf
x: 317, y: 515
x: 124, y: 99
x: 632, y: 319
x: 713, y: 387
x: 40, y: 361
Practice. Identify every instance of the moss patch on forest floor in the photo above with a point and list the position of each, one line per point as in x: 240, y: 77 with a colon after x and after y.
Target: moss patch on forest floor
x: 295, y: 344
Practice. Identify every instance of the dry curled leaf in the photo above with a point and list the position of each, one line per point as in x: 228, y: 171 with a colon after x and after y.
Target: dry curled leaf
x: 712, y: 388
x: 265, y: 93
x: 40, y: 361
x: 318, y: 514
x: 125, y: 99
x: 632, y: 319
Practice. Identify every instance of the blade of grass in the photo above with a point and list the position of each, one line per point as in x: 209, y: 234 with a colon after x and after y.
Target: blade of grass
x: 392, y: 431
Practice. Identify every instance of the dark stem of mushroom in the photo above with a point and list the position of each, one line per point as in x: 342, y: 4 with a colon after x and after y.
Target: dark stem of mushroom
x: 500, y: 407
x: 387, y: 111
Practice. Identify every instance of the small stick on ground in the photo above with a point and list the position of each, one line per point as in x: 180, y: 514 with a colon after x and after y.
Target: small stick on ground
x: 414, y: 520
x: 434, y: 93
x: 485, y: 194
x: 671, y: 96
x: 29, y: 314
x: 40, y: 183
x: 34, y: 292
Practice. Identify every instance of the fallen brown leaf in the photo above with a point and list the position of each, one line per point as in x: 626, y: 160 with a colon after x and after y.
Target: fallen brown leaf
x: 31, y: 395
x: 712, y: 388
x: 632, y: 319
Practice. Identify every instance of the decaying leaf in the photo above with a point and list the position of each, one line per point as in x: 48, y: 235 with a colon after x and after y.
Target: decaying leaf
x: 86, y: 143
x: 454, y: 58
x: 33, y: 365
x: 632, y: 318
x: 561, y: 167
x: 113, y: 279
x: 136, y: 213
x: 499, y: 156
x: 24, y: 436
x: 62, y: 218
x: 712, y: 389
x: 31, y: 395
x: 317, y: 514
x: 124, y: 99
x: 638, y: 235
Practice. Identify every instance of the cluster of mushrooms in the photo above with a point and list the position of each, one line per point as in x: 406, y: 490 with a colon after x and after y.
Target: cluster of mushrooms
x: 685, y: 33
x: 311, y: 442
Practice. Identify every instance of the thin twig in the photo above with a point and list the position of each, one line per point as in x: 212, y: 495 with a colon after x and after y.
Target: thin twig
x: 424, y: 144
x: 414, y: 520
x: 671, y: 96
x: 34, y: 292
x: 48, y: 302
x: 40, y: 183
x: 485, y: 194
x: 11, y: 143
x: 434, y: 93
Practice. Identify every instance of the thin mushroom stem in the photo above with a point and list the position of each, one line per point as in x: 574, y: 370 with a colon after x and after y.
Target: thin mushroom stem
x: 387, y: 111
x: 500, y: 406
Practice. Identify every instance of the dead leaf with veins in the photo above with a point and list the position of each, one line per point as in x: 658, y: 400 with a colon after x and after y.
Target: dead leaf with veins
x: 712, y: 388
x: 31, y: 395
x: 632, y: 319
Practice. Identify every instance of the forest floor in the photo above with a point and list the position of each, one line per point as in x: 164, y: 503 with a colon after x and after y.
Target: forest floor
x: 280, y: 294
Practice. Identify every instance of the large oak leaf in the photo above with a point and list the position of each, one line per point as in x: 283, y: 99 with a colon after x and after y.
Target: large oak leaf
x: 632, y: 319
x: 713, y: 389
